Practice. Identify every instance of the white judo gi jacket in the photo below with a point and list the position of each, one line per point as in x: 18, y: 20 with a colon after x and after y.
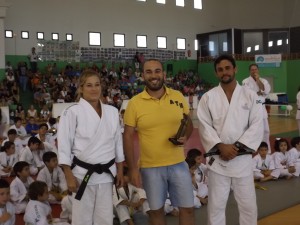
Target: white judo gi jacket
x: 224, y: 122
x: 36, y: 213
x: 57, y: 178
x: 18, y: 192
x: 82, y: 133
x: 11, y: 210
x: 6, y: 161
x: 293, y: 158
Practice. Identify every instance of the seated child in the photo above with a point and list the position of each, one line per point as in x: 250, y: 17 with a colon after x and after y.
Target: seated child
x: 12, y: 136
x: 282, y: 166
x: 7, y: 158
x: 7, y: 210
x: 19, y: 186
x: 170, y: 209
x: 38, y: 210
x: 263, y: 164
x: 54, y: 177
x: 199, y: 175
x: 294, y: 155
x: 32, y: 159
x: 128, y: 200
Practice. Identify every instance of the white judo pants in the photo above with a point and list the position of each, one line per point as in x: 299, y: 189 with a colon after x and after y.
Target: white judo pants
x: 244, y: 193
x: 95, y: 206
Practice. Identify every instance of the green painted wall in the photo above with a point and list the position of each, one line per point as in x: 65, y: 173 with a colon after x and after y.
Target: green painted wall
x: 2, y: 74
x: 285, y: 78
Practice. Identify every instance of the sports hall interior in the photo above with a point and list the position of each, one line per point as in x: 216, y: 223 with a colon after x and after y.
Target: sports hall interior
x: 110, y: 32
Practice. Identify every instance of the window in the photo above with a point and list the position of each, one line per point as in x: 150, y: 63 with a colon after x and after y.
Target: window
x: 141, y: 41
x: 270, y: 44
x: 279, y: 42
x: 69, y: 37
x: 119, y: 40
x: 181, y: 43
x: 40, y: 35
x: 24, y: 34
x: 180, y: 3
x: 198, y: 4
x: 252, y: 39
x: 9, y: 34
x: 161, y: 1
x: 161, y: 42
x: 55, y: 36
x: 256, y: 47
x: 95, y: 38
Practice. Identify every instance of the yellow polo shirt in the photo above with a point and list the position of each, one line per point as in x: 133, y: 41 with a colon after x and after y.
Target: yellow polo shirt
x: 156, y: 121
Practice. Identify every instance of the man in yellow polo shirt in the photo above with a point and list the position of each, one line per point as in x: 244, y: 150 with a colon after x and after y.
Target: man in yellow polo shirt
x: 156, y: 114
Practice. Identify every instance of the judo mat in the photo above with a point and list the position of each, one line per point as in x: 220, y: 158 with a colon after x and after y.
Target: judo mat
x: 280, y: 195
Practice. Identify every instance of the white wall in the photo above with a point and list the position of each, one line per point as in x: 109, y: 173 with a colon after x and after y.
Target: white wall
x: 131, y: 18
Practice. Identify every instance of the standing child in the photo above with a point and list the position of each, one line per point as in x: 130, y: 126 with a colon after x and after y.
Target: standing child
x: 263, y: 164
x: 38, y: 210
x: 283, y: 169
x: 294, y: 155
x: 32, y: 159
x: 7, y: 210
x: 128, y: 200
x: 53, y: 176
x: 7, y: 158
x: 19, y: 186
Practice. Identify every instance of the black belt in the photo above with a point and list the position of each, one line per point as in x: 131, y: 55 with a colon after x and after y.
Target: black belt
x: 91, y: 168
x: 243, y: 150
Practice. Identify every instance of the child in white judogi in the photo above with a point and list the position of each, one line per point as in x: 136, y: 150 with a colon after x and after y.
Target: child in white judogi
x: 7, y: 210
x: 282, y: 167
x: 38, y: 210
x: 19, y: 186
x: 30, y: 157
x: 199, y: 177
x: 294, y: 155
x: 8, y: 158
x: 12, y: 136
x: 66, y: 207
x: 263, y: 164
x: 128, y: 200
x: 54, y: 177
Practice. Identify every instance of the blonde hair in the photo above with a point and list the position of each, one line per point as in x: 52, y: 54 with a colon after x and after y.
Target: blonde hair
x: 82, y: 79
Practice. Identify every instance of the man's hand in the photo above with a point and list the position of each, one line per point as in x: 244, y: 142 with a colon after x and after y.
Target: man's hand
x: 135, y: 177
x: 227, y: 151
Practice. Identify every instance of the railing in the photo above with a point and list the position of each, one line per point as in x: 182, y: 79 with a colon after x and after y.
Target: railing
x: 247, y: 57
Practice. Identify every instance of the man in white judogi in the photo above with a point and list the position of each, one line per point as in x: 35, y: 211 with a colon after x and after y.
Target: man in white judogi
x: 229, y: 114
x: 262, y: 88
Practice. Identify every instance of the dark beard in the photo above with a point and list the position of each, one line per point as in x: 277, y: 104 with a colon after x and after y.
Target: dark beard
x: 156, y: 87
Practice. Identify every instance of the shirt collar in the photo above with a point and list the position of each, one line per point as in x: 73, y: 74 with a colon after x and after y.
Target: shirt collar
x: 145, y: 94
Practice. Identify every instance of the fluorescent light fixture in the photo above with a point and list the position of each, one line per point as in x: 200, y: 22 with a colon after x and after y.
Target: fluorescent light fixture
x: 211, y: 46
x: 225, y: 46
x: 198, y: 4
x: 24, y: 34
x: 256, y: 47
x: 248, y: 49
x: 69, y: 37
x: 279, y: 42
x: 196, y: 45
x: 55, y: 36
x: 180, y: 3
x: 270, y: 43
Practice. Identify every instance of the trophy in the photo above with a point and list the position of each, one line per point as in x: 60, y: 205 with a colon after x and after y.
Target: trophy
x: 181, y: 131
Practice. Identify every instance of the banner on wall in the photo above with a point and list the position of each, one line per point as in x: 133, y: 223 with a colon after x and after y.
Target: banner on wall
x: 271, y: 60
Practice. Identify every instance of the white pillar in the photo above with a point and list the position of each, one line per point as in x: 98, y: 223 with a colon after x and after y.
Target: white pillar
x: 3, y: 7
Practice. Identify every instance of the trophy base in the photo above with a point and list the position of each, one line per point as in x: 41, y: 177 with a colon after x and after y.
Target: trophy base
x: 175, y: 142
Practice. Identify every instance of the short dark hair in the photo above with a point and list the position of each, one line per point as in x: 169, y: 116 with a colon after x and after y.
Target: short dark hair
x: 11, y: 131
x: 295, y: 141
x: 47, y: 156
x: 34, y: 140
x: 263, y: 145
x: 19, y: 166
x: 36, y: 188
x: 4, y: 183
x: 156, y: 60
x: 6, y: 146
x: 253, y: 64
x: 52, y: 121
x: 17, y: 119
x: 193, y: 153
x: 224, y: 57
x: 43, y: 125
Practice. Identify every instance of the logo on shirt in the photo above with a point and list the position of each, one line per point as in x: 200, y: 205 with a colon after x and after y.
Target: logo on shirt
x: 259, y: 102
x: 172, y: 102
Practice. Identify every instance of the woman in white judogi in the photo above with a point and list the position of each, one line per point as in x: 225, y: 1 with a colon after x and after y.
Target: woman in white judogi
x: 8, y: 158
x: 90, y: 131
x: 228, y: 114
